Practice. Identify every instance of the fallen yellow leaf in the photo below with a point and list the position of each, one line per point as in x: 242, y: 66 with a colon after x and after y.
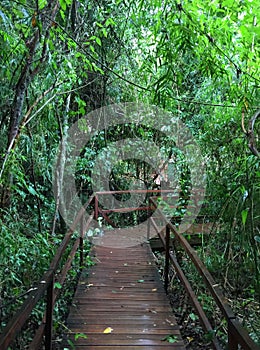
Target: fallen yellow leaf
x: 108, y: 330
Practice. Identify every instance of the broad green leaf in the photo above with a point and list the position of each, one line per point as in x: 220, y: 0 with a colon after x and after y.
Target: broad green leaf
x: 42, y: 4
x: 63, y: 5
x: 104, y: 31
x: 170, y: 339
x: 98, y: 41
x: 51, y: 45
x: 109, y: 22
x: 57, y: 285
x: 244, y: 214
x: 62, y: 14
x: 193, y: 317
x: 71, y: 344
x: 80, y: 335
x: 32, y: 191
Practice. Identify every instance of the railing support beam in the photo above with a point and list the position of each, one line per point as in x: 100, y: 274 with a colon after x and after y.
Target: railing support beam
x: 232, y: 343
x: 96, y: 207
x: 167, y: 258
x: 81, y: 242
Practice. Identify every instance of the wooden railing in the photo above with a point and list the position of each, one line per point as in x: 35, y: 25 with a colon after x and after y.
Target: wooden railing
x: 145, y: 207
x: 46, y: 287
x: 237, y: 335
x: 104, y: 212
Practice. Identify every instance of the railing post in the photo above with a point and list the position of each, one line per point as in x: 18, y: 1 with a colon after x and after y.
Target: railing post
x: 167, y: 258
x: 49, y: 315
x: 148, y: 229
x: 149, y: 221
x: 232, y: 343
x: 81, y: 241
x: 96, y: 207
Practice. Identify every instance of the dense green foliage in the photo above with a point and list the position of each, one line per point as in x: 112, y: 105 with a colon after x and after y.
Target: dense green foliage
x: 62, y: 59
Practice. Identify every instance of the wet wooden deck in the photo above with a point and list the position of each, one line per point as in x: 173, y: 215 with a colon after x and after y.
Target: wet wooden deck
x: 122, y: 294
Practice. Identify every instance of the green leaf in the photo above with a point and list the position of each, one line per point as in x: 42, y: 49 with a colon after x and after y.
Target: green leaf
x: 104, y: 31
x: 193, y: 317
x: 42, y: 4
x: 62, y: 15
x: 57, y: 285
x: 32, y: 191
x: 244, y: 214
x: 97, y: 69
x: 109, y: 22
x: 98, y: 41
x: 21, y: 193
x: 80, y: 335
x: 170, y: 339
x: 63, y: 5
x: 71, y: 344
x: 92, y: 48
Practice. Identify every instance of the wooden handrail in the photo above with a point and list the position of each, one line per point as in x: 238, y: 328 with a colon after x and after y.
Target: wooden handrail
x: 35, y: 344
x: 104, y: 212
x: 133, y: 191
x: 46, y: 284
x: 237, y: 335
x: 170, y: 258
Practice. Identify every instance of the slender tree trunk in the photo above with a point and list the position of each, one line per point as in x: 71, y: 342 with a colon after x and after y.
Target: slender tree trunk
x: 61, y: 161
x: 20, y: 90
x: 28, y: 72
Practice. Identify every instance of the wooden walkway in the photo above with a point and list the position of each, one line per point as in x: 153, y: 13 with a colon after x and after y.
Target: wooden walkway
x: 123, y: 296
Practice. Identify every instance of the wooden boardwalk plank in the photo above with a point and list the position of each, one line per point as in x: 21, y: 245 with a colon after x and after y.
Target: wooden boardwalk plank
x: 122, y: 291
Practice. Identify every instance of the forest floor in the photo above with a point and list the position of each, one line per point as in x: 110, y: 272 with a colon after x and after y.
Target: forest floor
x: 247, y: 311
x: 191, y: 330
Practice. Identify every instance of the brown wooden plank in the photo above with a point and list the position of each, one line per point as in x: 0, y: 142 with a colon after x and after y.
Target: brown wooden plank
x: 114, y: 303
x: 125, y: 339
x: 126, y: 347
x: 132, y: 321
x: 123, y: 291
x: 79, y: 328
